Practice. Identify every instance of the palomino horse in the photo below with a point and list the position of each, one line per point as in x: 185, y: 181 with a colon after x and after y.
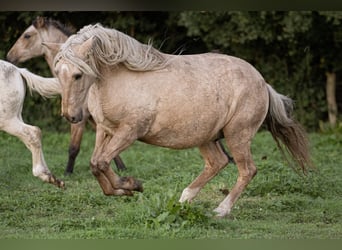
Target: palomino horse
x: 13, y: 83
x: 29, y: 45
x: 174, y: 101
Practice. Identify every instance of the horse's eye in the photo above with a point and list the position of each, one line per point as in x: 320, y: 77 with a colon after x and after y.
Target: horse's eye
x: 27, y: 36
x: 77, y: 76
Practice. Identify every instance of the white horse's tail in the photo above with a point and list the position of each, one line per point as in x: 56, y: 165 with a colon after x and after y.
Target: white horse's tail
x: 284, y: 128
x: 46, y: 87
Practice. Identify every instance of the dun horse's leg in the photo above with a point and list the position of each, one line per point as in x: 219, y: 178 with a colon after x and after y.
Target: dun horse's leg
x: 76, y: 135
x: 117, y: 160
x: 107, y: 147
x: 215, y: 159
x: 31, y: 137
x: 239, y: 145
x: 74, y: 146
x: 119, y: 163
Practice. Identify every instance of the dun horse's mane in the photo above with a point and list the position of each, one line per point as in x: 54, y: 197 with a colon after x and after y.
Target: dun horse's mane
x: 66, y: 30
x: 111, y: 47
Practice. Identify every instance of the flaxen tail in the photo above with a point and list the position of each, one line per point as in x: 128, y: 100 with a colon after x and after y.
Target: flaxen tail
x: 46, y: 87
x: 284, y: 128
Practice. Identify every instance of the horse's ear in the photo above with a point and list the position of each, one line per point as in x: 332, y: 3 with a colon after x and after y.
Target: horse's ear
x: 54, y: 47
x: 86, y: 46
x: 39, y: 22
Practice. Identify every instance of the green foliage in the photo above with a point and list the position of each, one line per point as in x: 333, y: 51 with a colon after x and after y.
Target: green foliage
x: 169, y: 213
x: 326, y: 128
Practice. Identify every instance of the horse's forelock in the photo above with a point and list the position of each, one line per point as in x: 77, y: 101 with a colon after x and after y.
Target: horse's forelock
x: 69, y: 56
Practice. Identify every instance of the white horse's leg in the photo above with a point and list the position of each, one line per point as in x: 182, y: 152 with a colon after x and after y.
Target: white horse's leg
x: 215, y: 160
x: 31, y: 137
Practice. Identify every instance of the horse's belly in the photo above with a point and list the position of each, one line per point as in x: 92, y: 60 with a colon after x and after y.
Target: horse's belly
x: 182, y: 135
x: 174, y: 142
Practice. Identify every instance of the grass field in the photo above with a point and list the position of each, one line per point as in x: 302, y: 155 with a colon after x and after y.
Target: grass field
x: 278, y: 204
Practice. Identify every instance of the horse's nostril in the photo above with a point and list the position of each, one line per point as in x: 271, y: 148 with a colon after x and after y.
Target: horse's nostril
x: 74, y: 119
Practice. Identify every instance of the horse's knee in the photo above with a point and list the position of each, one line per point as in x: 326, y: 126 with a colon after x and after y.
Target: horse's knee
x: 94, y: 168
x: 98, y: 167
x: 103, y: 166
x: 36, y: 132
x: 248, y: 174
x: 252, y: 170
x: 33, y: 136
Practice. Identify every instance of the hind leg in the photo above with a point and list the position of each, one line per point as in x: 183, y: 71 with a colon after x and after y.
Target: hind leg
x: 215, y: 159
x: 239, y: 142
x: 31, y: 137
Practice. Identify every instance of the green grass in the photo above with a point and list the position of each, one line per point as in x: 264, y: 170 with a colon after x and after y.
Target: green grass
x: 278, y: 204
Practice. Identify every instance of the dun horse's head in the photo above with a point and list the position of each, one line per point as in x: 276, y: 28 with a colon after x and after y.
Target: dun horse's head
x: 75, y: 81
x: 27, y: 46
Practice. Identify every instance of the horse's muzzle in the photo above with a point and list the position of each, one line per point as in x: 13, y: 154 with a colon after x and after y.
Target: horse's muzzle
x: 11, y: 58
x: 73, y: 118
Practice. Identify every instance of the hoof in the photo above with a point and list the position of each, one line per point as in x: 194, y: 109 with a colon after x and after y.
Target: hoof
x: 68, y: 173
x: 60, y: 184
x: 121, y: 192
x: 220, y: 213
x: 138, y: 186
x: 53, y: 180
x: 129, y: 183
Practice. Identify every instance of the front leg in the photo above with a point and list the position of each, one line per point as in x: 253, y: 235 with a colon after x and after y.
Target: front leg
x: 106, y: 148
x: 76, y: 135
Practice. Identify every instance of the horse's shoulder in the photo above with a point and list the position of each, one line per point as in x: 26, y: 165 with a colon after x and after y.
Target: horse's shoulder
x: 94, y: 104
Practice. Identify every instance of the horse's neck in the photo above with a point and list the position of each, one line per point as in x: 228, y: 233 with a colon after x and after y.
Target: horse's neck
x: 49, y: 55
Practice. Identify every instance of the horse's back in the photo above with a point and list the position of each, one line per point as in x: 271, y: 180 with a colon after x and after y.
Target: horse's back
x: 229, y: 83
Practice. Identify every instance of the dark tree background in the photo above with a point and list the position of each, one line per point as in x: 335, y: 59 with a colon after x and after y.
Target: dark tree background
x: 298, y: 52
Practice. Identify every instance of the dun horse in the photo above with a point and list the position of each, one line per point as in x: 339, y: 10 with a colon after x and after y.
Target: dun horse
x: 175, y: 101
x: 13, y: 83
x: 29, y: 45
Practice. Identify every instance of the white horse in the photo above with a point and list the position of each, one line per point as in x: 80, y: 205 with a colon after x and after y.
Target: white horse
x: 174, y: 101
x: 13, y: 82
